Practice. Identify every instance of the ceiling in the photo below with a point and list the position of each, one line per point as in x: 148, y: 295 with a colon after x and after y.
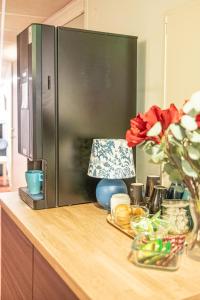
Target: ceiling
x: 21, y: 13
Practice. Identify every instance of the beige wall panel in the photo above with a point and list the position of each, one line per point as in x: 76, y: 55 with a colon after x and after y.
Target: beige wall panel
x: 183, y: 53
x: 76, y: 23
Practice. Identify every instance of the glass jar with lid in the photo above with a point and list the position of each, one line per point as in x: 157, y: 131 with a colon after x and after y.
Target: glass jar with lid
x: 176, y: 212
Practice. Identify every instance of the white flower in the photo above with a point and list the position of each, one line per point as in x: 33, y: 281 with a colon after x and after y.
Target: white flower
x: 155, y: 130
x: 189, y: 123
x: 192, y: 107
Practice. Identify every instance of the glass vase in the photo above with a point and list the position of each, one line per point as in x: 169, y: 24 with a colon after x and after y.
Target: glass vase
x: 193, y: 239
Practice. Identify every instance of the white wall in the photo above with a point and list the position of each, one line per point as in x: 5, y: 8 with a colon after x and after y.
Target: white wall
x: 19, y: 162
x: 145, y: 19
x: 183, y: 49
x: 6, y: 111
x: 77, y: 22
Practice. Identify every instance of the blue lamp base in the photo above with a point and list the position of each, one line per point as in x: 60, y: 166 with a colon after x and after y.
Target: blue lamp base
x: 108, y: 187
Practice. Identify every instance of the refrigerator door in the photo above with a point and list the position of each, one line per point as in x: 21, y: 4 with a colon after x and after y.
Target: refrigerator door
x: 96, y: 99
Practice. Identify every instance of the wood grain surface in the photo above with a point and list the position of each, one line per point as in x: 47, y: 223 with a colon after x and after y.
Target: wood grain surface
x: 91, y: 256
x: 47, y: 285
x: 128, y: 232
x: 17, y: 257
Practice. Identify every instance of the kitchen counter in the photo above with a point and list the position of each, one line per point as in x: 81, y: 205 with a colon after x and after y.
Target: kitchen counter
x: 91, y: 256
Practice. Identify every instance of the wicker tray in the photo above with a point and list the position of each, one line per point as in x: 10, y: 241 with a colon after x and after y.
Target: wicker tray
x: 128, y: 232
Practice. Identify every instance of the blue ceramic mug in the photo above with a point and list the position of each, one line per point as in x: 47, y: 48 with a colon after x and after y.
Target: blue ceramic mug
x: 34, y: 179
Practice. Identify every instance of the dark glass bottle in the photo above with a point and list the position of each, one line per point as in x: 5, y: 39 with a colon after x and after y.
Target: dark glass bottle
x: 159, y: 194
x: 175, y: 191
x: 137, y: 193
x: 151, y: 181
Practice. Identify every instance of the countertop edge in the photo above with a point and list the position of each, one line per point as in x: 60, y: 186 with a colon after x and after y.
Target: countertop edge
x: 44, y: 252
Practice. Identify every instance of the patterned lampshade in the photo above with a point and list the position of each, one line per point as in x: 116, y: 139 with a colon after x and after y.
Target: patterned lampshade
x: 111, y: 159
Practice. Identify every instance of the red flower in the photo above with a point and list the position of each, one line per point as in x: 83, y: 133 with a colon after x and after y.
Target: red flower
x: 143, y: 123
x: 169, y: 116
x: 198, y: 120
x: 137, y: 132
x: 152, y: 116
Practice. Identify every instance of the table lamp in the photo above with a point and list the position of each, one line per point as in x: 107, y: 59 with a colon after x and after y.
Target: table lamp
x: 111, y: 160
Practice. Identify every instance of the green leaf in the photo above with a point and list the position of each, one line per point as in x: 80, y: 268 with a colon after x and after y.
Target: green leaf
x: 158, y: 157
x: 156, y: 152
x: 151, y: 148
x: 148, y: 145
x: 173, y: 141
x: 155, y: 130
x: 174, y: 174
x: 193, y: 153
x: 188, y: 170
x: 177, y: 131
x: 194, y: 136
x: 188, y: 123
x: 156, y: 149
x: 178, y: 152
x: 167, y: 168
x: 149, y: 151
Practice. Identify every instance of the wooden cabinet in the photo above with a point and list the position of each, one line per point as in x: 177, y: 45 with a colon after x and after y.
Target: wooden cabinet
x: 25, y: 274
x: 47, y: 284
x: 17, y: 257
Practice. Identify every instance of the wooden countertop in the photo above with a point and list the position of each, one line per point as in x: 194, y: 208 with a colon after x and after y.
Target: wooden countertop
x: 91, y: 255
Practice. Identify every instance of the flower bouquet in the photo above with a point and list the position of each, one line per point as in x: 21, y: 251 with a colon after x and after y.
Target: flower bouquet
x: 172, y: 137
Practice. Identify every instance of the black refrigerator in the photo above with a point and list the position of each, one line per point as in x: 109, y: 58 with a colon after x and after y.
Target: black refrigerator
x: 73, y: 85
